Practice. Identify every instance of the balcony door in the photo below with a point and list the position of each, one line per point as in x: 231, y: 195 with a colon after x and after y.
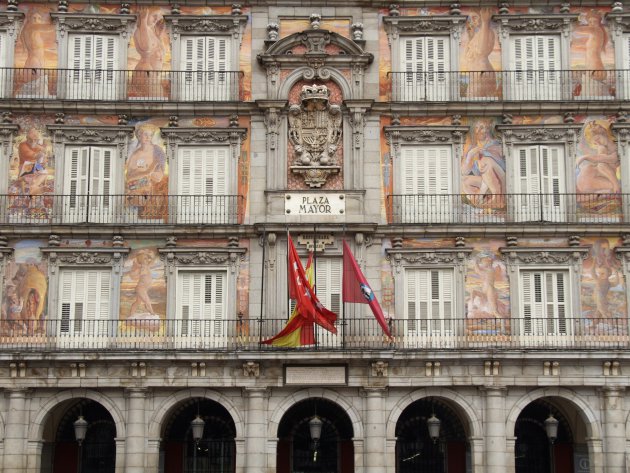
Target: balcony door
x: 202, y: 185
x: 201, y: 308
x: 205, y: 60
x: 541, y: 190
x: 425, y: 61
x: 88, y: 185
x: 92, y: 60
x: 84, y: 307
x: 429, y: 307
x: 536, y: 68
x: 426, y: 181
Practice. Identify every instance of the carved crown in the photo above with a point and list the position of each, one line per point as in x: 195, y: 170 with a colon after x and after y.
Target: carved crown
x: 314, y: 92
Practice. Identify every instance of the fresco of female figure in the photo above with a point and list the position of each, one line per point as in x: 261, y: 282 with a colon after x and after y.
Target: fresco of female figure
x: 595, y: 83
x: 483, y: 168
x: 476, y: 59
x: 31, y: 80
x: 146, y: 79
x: 146, y: 175
x: 597, y: 169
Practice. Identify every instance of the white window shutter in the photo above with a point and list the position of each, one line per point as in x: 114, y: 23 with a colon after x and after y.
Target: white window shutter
x: 85, y: 301
x: 437, y: 54
x: 409, y: 168
x: 413, y: 304
x: 185, y: 171
x: 77, y: 179
x: 201, y: 303
x: 328, y: 283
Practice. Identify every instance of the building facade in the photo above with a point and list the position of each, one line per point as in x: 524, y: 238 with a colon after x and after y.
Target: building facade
x: 156, y: 156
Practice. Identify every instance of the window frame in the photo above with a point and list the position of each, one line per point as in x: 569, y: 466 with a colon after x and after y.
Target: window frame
x: 117, y: 25
x: 399, y: 137
x: 556, y: 24
x: 566, y: 259
x: 562, y: 135
x: 619, y: 24
x: 11, y: 25
x: 230, y: 27
x: 452, y: 259
x: 74, y: 258
x: 399, y: 28
x: 228, y: 259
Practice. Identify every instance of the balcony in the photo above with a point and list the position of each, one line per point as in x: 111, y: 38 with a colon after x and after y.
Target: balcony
x: 120, y: 209
x: 353, y: 335
x: 507, y: 208
x: 497, y: 86
x: 120, y: 85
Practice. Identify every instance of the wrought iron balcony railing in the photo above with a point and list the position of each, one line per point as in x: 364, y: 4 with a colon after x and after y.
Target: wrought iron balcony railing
x: 353, y: 334
x: 496, y: 86
x: 116, y: 85
x: 120, y: 209
x: 508, y: 208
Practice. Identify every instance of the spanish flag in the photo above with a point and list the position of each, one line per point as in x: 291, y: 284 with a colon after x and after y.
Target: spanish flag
x: 308, y: 309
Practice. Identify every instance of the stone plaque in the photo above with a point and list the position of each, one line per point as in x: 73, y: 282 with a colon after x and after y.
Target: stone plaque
x: 310, y: 375
x: 314, y: 204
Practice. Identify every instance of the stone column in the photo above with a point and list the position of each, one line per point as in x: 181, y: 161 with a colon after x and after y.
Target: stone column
x: 136, y: 425
x: 375, y: 431
x: 614, y: 429
x: 256, y: 433
x: 15, y: 432
x: 494, y: 428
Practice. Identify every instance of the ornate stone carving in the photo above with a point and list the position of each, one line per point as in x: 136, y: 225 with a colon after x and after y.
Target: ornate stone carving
x: 535, y: 23
x: 184, y: 256
x: 232, y: 136
x: 93, y: 23
x: 58, y: 256
x: 204, y: 24
x: 447, y: 24
x: 251, y: 369
x: 622, y: 133
x: 10, y: 21
x: 515, y: 256
x: 399, y: 135
x: 73, y: 134
x: 400, y: 257
x: 7, y: 133
x: 379, y: 369
x: 619, y: 23
x: 315, y: 132
x: 562, y: 133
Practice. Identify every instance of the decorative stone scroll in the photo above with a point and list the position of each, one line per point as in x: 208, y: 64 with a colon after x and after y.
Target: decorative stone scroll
x: 87, y: 135
x: 69, y: 256
x: 93, y: 23
x: 7, y: 133
x: 206, y: 256
x: 396, y: 136
x: 535, y: 23
x: 315, y: 133
x: 434, y: 24
x: 453, y: 257
x: 544, y: 256
x: 566, y: 134
x: 206, y: 24
x: 232, y: 136
x: 11, y: 21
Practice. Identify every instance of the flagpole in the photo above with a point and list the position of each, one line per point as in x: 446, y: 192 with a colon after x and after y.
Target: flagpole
x: 262, y: 288
x: 288, y: 274
x: 315, y: 277
x: 343, y: 303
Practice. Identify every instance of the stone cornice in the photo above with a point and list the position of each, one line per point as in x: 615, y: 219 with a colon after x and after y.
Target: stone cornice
x: 397, y: 136
x: 204, y: 24
x: 203, y: 256
x: 69, y: 256
x: 202, y: 135
x: 619, y: 22
x: 93, y: 23
x: 544, y: 256
x: 10, y: 21
x: 556, y: 133
x: 432, y: 24
x: 90, y: 134
x: 449, y: 257
x: 535, y: 23
x: 315, y: 42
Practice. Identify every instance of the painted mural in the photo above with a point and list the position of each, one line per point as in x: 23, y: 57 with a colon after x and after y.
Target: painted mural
x: 143, y: 290
x: 24, y: 296
x: 31, y: 171
x: 598, y: 170
x: 603, y: 291
x: 36, y: 49
x: 487, y: 290
x: 483, y: 169
x: 480, y: 55
x: 288, y: 26
x: 146, y: 174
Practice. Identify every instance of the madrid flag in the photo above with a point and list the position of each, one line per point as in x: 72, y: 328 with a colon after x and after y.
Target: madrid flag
x: 356, y: 288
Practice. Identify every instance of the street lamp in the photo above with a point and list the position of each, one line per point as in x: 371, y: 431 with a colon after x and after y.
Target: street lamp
x: 197, y: 425
x: 315, y: 429
x: 80, y: 429
x: 551, y: 427
x: 433, y: 423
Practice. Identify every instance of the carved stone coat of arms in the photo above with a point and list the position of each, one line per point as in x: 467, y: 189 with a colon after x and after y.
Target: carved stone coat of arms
x: 315, y: 133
